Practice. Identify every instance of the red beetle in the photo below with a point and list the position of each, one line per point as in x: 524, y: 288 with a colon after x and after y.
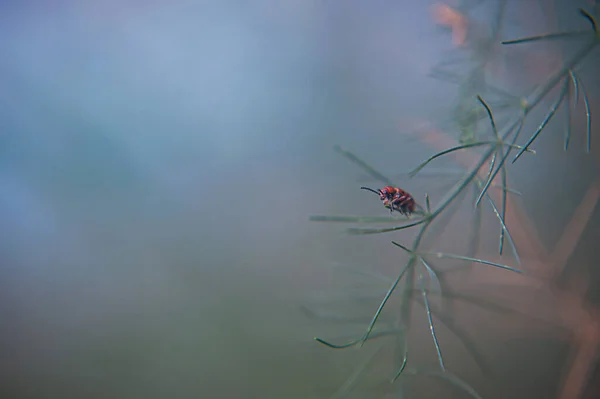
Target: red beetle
x: 395, y: 198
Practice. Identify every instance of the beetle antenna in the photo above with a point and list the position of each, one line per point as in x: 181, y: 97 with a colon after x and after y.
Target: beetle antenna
x: 371, y: 190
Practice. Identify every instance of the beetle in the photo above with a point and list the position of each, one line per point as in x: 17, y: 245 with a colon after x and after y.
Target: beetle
x: 395, y: 198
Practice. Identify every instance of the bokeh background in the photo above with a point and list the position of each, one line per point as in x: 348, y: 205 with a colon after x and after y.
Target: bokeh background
x: 159, y: 162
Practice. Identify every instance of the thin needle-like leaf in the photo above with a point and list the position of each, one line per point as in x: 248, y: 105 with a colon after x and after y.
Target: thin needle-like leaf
x: 334, y: 346
x: 402, y: 368
x: 462, y: 334
x: 439, y: 154
x: 588, y: 114
x: 549, y: 36
x: 404, y: 359
x: 372, y: 336
x: 368, y: 168
x: 358, y: 230
x: 432, y: 275
x: 490, y: 116
x: 508, y: 189
x: 432, y: 328
x: 468, y: 259
x: 492, y: 164
x: 501, y: 167
x: 543, y: 124
x: 568, y: 111
x: 371, y: 325
x: 504, y: 198
x: 505, y: 229
x: 384, y: 301
x: 502, y: 162
x: 354, y: 219
x: 410, y: 251
x: 475, y: 234
x: 575, y: 86
x: 413, y: 172
x: 442, y: 221
x: 590, y: 18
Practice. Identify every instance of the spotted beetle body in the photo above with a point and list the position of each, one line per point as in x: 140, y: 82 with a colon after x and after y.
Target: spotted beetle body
x: 396, y: 199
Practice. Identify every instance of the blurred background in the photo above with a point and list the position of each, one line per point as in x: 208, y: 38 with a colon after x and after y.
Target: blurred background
x: 159, y: 162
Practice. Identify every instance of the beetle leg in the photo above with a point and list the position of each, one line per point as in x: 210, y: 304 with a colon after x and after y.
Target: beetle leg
x: 402, y: 204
